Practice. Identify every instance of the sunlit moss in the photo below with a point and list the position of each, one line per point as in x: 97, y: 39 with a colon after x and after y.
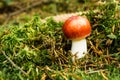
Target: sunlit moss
x: 41, y: 50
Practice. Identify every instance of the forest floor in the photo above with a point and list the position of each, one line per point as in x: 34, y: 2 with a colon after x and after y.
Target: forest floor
x: 34, y: 50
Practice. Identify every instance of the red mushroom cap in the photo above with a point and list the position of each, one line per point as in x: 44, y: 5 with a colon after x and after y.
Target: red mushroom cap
x: 76, y: 27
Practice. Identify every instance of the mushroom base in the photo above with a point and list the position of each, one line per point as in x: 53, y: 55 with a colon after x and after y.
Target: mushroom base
x: 79, y: 48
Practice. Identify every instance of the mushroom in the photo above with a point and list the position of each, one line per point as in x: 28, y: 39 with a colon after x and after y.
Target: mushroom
x: 77, y: 28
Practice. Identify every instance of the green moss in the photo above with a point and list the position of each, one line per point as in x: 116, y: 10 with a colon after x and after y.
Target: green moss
x: 41, y: 50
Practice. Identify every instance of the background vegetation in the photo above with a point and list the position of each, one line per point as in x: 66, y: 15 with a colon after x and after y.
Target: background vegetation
x: 31, y: 49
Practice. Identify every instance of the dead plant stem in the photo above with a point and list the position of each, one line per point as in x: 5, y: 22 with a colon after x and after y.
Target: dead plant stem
x: 14, y: 63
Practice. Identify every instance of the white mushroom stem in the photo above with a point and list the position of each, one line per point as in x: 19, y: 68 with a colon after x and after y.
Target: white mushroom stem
x: 79, y: 48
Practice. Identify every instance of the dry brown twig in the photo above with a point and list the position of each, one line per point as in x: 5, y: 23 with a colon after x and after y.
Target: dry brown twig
x: 24, y: 9
x: 57, y: 18
x: 14, y: 64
